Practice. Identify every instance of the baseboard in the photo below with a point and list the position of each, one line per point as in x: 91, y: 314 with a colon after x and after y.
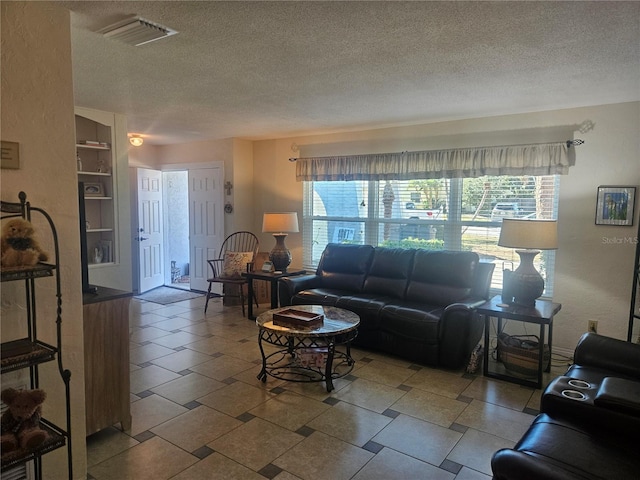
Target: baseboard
x: 565, y: 352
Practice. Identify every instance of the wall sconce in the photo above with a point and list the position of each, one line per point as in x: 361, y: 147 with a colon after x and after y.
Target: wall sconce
x: 136, y: 140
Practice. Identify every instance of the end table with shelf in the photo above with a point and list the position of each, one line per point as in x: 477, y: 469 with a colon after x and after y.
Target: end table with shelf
x: 541, y: 314
x: 271, y: 277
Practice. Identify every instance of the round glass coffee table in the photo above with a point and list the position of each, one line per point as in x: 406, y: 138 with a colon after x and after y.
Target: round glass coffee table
x: 308, y: 353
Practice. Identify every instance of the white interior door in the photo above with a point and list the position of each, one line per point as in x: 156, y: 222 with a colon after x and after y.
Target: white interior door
x: 149, y: 234
x: 206, y: 225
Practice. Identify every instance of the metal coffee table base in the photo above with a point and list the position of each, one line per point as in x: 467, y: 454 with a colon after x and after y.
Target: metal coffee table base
x: 288, y: 362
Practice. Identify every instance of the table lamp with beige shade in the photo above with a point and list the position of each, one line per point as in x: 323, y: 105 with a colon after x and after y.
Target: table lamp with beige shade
x: 280, y: 224
x: 525, y: 284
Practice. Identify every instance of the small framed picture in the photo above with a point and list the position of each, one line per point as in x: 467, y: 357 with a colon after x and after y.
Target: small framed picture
x: 614, y: 205
x: 10, y: 155
x: 93, y: 190
x: 267, y: 266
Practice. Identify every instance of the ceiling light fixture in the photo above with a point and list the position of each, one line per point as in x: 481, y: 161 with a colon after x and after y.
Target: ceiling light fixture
x: 136, y: 140
x: 136, y: 31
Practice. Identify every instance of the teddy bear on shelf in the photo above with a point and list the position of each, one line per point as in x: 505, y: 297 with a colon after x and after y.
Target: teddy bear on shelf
x: 19, y: 245
x: 21, y: 421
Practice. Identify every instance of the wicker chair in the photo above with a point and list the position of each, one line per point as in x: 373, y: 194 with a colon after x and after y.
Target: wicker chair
x: 245, y: 246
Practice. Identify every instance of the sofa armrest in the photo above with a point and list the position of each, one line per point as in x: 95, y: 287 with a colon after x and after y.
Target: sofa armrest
x: 608, y: 353
x: 460, y: 331
x: 619, y: 394
x: 482, y: 280
x: 288, y: 287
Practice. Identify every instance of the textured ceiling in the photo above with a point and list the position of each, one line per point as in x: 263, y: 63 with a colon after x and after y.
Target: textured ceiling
x: 275, y: 69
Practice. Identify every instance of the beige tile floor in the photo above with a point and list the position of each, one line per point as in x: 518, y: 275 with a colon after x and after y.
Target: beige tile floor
x: 199, y: 411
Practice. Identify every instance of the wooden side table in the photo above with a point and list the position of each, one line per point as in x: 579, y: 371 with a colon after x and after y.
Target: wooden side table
x: 541, y: 314
x: 269, y: 277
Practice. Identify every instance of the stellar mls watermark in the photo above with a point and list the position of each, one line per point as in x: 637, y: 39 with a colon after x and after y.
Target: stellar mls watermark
x: 620, y: 240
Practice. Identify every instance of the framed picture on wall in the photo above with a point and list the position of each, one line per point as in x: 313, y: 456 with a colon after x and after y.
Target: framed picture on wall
x: 93, y: 190
x: 614, y: 205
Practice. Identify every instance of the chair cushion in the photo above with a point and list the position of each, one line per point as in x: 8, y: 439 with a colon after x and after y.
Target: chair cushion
x: 235, y: 263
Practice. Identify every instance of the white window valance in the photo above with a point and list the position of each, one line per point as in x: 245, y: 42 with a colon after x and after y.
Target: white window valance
x: 535, y: 159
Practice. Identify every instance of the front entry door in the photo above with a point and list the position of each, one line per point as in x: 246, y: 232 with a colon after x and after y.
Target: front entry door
x: 206, y: 225
x: 149, y: 235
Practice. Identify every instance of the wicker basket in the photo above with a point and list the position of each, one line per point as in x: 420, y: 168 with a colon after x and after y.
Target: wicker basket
x: 520, y: 354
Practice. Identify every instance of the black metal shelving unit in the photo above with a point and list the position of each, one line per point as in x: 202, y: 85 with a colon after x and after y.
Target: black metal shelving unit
x: 634, y: 310
x: 29, y: 352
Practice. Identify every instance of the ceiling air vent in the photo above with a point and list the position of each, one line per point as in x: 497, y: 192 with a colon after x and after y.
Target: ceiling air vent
x: 137, y: 31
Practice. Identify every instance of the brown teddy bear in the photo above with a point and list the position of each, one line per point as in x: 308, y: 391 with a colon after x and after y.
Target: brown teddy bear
x: 19, y: 245
x: 21, y: 420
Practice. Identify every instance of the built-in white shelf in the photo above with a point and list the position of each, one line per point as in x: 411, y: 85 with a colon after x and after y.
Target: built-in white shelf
x: 95, y: 174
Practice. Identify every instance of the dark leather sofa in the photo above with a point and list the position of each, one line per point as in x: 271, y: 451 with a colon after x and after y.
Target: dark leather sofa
x: 589, y: 426
x: 416, y: 304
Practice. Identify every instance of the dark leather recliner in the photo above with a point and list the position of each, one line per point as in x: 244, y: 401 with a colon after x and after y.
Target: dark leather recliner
x: 590, y: 421
x: 557, y: 449
x: 416, y: 304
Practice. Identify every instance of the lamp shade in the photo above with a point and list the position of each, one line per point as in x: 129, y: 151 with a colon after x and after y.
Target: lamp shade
x: 529, y: 234
x: 281, y: 222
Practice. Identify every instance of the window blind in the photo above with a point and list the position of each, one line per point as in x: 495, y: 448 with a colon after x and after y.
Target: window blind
x: 451, y: 214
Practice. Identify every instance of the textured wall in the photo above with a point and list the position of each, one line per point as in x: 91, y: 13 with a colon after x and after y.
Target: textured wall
x: 37, y: 112
x: 205, y: 152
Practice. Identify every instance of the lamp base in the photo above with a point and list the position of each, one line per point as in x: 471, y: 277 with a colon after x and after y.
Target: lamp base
x: 280, y: 256
x: 524, y: 285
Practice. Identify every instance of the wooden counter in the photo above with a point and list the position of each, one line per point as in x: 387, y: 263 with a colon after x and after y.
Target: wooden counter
x: 106, y: 359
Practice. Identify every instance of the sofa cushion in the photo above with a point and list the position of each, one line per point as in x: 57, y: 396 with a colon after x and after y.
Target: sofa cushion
x: 441, y: 277
x: 412, y: 320
x: 411, y: 331
x: 344, y: 267
x: 389, y: 272
x: 366, y: 306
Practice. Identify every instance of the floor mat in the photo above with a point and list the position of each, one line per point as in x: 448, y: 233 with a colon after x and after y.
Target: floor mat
x: 167, y: 295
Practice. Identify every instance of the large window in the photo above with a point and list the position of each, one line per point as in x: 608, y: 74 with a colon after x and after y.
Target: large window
x: 450, y: 214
